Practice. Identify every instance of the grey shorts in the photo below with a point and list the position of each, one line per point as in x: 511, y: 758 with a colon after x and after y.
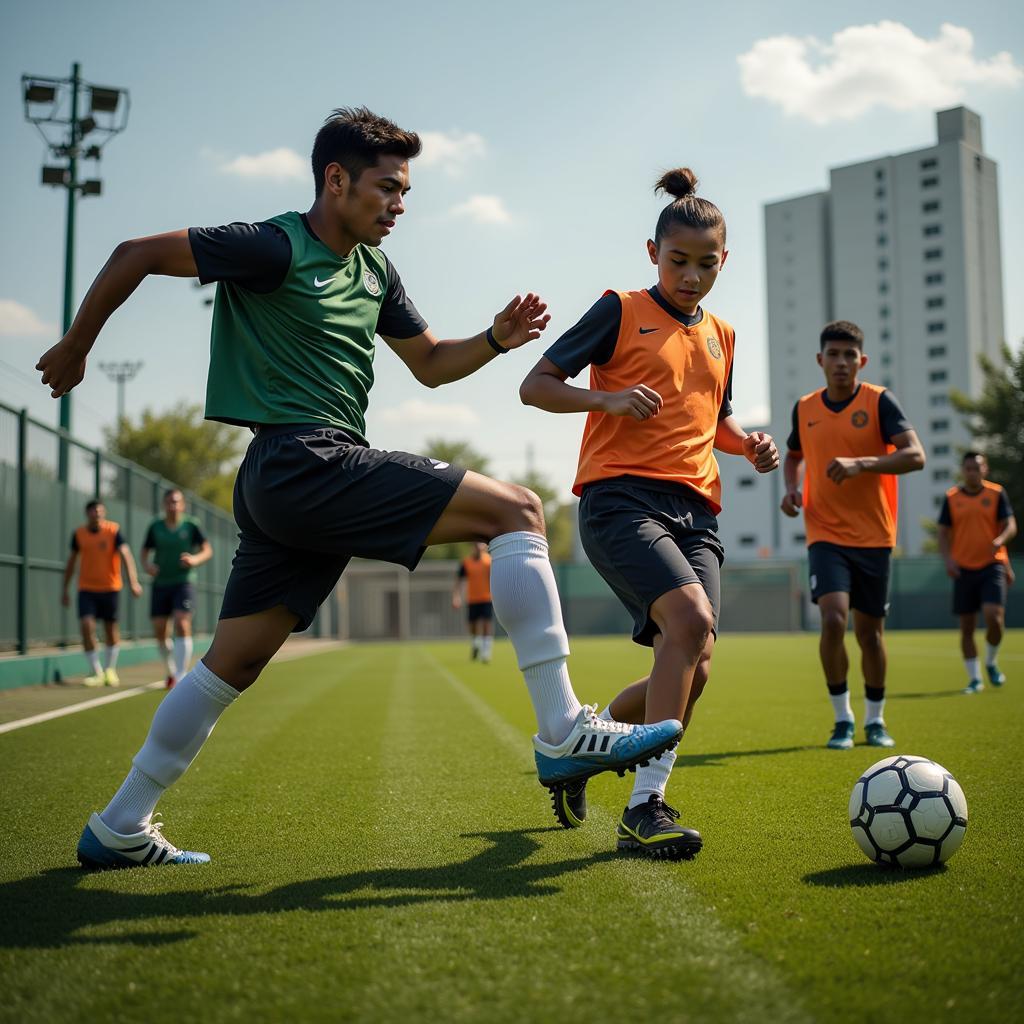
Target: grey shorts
x: 309, y: 498
x: 647, y: 539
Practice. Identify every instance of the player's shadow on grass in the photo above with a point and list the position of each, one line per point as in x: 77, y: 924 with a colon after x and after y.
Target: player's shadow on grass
x: 869, y: 876
x: 54, y: 909
x: 930, y: 695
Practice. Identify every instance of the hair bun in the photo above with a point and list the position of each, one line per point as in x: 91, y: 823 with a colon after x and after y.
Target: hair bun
x: 678, y: 183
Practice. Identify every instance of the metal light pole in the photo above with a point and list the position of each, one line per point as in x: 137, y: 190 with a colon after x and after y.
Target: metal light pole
x: 121, y: 373
x: 55, y: 104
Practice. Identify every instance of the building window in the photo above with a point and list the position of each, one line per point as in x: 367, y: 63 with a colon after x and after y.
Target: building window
x: 937, y: 401
x: 977, y: 163
x: 929, y: 163
x: 935, y: 302
x: 886, y: 382
x: 932, y: 229
x: 932, y: 206
x: 879, y: 193
x: 940, y: 449
x: 938, y: 499
x: 933, y: 254
x: 885, y: 334
x: 883, y: 264
x: 937, y: 352
x: 939, y: 425
x: 799, y: 538
x: 937, y: 475
x: 886, y: 359
x: 936, y: 278
x: 747, y: 540
x: 929, y: 182
x: 937, y: 376
x: 883, y: 287
x: 883, y: 239
x: 746, y: 481
x: 937, y: 327
x: 881, y: 216
x: 883, y: 312
x: 879, y: 174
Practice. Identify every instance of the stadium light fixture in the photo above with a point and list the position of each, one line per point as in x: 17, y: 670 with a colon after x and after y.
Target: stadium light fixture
x: 55, y: 107
x: 55, y: 175
x: 104, y: 100
x: 37, y: 92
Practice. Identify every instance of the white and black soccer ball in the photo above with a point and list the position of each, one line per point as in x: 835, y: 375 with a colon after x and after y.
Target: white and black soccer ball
x: 908, y: 812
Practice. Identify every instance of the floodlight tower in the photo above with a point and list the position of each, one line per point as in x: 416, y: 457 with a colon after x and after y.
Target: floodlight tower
x: 53, y: 105
x: 121, y: 374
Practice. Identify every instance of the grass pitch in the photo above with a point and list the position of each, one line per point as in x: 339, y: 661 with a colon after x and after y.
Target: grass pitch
x: 381, y: 850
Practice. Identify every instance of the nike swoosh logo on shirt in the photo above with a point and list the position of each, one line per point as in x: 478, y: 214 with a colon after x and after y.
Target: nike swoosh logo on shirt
x: 320, y: 284
x: 812, y: 423
x: 648, y: 330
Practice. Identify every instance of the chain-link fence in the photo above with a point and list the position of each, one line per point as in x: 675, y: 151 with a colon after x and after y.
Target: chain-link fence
x: 46, y: 478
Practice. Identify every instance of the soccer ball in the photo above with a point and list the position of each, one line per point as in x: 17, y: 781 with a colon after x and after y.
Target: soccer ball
x: 908, y: 812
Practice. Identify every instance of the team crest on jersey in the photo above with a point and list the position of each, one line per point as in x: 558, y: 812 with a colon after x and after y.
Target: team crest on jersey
x: 371, y: 282
x: 714, y: 347
x: 859, y: 418
x: 985, y: 502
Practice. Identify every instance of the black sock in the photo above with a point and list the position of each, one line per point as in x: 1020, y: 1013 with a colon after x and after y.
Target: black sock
x: 837, y: 689
x: 874, y: 692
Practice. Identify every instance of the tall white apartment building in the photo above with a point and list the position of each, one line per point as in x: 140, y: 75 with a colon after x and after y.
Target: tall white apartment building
x: 907, y: 247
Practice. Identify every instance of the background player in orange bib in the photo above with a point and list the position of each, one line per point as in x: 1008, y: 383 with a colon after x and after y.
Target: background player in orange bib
x: 100, y: 546
x: 658, y: 405
x: 475, y: 573
x: 853, y: 439
x: 975, y: 525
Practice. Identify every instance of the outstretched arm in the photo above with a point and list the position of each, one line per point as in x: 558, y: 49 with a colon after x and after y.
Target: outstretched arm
x: 63, y: 366
x: 435, y: 362
x: 545, y: 388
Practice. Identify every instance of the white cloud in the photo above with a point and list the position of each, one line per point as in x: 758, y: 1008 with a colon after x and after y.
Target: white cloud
x: 417, y: 413
x: 450, y: 151
x: 280, y: 164
x: 19, y: 321
x: 483, y: 210
x: 866, y: 66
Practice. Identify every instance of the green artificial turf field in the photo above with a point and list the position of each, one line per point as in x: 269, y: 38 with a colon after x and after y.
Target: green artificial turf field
x: 382, y: 851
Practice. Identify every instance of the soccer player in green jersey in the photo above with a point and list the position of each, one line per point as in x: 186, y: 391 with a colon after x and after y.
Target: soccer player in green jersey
x: 299, y: 301
x: 173, y: 548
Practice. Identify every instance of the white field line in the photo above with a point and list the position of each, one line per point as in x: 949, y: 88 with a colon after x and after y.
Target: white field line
x: 134, y: 691
x: 712, y: 941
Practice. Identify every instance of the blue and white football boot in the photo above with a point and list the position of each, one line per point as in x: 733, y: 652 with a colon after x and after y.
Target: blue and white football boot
x: 595, y: 745
x: 100, y: 849
x: 995, y: 677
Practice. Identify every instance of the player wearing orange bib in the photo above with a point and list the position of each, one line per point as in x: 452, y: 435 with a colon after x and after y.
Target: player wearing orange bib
x: 853, y: 440
x: 475, y: 574
x: 100, y: 546
x: 658, y: 407
x: 975, y: 525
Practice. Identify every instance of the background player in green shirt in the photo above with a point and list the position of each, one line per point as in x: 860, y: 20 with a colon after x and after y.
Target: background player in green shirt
x: 300, y: 299
x: 173, y: 547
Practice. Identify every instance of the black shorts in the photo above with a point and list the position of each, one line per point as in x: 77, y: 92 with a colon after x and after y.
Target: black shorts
x: 480, y: 610
x: 168, y: 598
x: 646, y: 541
x: 98, y: 604
x: 863, y: 573
x: 975, y: 587
x: 309, y: 498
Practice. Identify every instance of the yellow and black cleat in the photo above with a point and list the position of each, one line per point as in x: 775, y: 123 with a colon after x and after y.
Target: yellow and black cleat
x: 651, y: 829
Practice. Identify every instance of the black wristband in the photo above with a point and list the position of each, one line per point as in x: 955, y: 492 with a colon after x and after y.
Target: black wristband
x: 494, y: 343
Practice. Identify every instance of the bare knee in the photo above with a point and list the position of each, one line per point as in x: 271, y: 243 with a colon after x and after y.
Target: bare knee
x: 833, y: 623
x: 688, y: 624
x: 869, y: 638
x: 521, y: 511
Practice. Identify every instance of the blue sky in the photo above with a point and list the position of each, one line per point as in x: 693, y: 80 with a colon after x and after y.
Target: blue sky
x: 547, y: 122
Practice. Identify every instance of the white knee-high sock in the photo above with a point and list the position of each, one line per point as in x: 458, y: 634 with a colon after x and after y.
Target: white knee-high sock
x: 652, y: 779
x: 110, y: 655
x: 991, y: 653
x: 168, y: 653
x: 486, y: 646
x: 182, y: 654
x: 93, y: 658
x: 181, y: 725
x: 526, y: 603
